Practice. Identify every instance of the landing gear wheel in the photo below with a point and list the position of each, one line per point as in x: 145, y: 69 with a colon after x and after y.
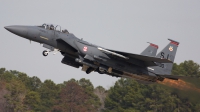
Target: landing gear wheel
x: 45, y: 53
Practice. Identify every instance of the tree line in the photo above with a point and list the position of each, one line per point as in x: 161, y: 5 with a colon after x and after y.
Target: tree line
x: 21, y: 93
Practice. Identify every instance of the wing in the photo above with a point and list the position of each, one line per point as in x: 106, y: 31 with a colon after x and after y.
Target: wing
x: 148, y: 60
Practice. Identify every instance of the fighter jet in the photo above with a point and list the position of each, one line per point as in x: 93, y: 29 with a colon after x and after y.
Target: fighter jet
x: 93, y: 58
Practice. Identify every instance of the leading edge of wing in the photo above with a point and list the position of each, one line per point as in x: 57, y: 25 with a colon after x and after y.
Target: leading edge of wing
x: 142, y: 57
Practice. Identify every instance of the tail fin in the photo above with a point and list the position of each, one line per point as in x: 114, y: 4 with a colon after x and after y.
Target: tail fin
x: 151, y: 50
x: 169, y: 52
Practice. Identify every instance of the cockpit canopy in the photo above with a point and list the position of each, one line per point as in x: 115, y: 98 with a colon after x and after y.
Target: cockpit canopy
x: 54, y: 27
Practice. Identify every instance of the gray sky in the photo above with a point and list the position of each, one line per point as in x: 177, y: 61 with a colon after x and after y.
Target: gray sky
x: 121, y: 25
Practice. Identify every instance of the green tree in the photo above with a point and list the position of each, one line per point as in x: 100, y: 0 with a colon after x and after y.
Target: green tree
x: 89, y: 89
x: 14, y: 98
x: 128, y: 95
x: 34, y: 83
x: 7, y: 76
x: 187, y: 68
x: 86, y: 84
x: 73, y: 98
x: 32, y: 101
x: 48, y: 92
x: 197, y: 107
x: 2, y: 70
x: 125, y: 94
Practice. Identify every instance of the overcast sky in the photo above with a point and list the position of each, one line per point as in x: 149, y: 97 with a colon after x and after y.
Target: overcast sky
x: 124, y: 25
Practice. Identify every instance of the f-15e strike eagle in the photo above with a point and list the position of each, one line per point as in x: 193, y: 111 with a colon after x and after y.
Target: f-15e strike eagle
x: 145, y: 67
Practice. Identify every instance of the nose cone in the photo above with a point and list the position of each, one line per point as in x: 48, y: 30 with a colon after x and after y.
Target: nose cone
x: 18, y: 30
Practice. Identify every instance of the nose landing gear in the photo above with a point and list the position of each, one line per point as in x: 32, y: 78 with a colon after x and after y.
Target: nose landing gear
x: 51, y: 49
x: 45, y: 53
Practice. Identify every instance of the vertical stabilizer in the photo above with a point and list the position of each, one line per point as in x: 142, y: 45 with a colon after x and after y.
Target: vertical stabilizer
x: 169, y: 52
x: 151, y: 50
